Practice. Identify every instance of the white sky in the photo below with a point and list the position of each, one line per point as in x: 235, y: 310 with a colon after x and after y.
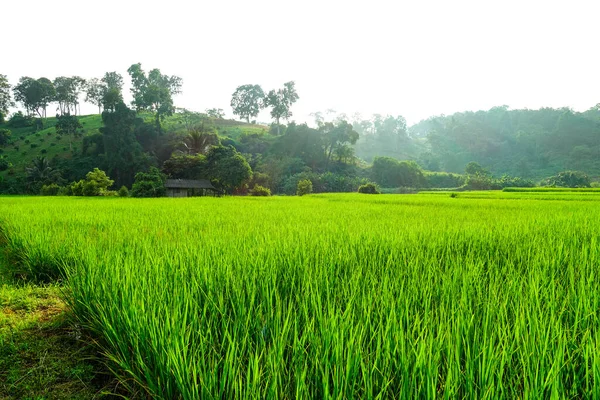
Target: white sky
x: 412, y: 58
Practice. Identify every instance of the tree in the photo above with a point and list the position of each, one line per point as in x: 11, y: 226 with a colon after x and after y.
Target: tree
x: 112, y: 97
x: 123, y: 153
x: 113, y: 90
x: 154, y: 92
x: 200, y: 139
x: 35, y: 95
x: 96, y: 183
x: 4, y: 137
x: 5, y: 100
x: 281, y: 102
x: 338, y: 139
x: 113, y: 80
x: 186, y: 167
x: 247, y: 101
x: 67, y: 124
x: 40, y: 173
x: 227, y: 168
x: 391, y: 173
x: 474, y: 168
x: 95, y: 90
x: 217, y: 113
x: 149, y: 184
x: 67, y: 90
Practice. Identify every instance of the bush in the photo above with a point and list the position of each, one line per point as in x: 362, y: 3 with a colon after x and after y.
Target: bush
x: 481, y: 182
x: 305, y: 186
x: 260, y: 191
x: 50, y: 190
x: 572, y: 179
x: 389, y: 172
x: 123, y: 192
x: 96, y: 183
x: 43, y: 151
x: 149, y: 184
x: 27, y: 141
x: 369, y: 188
x: 33, y: 145
x: 18, y: 120
x: 443, y: 180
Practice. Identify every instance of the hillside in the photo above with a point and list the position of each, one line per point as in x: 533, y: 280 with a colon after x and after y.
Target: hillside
x: 27, y: 143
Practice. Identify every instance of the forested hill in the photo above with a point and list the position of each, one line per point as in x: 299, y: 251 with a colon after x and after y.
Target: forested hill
x: 526, y: 143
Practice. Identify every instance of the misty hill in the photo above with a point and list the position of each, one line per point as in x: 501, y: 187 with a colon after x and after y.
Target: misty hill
x: 526, y: 143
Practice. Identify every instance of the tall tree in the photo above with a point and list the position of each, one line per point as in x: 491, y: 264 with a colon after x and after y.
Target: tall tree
x: 113, y: 80
x: 5, y: 99
x: 154, y: 92
x: 338, y: 140
x: 35, y: 95
x: 94, y: 92
x: 123, y: 154
x: 67, y: 91
x: 281, y: 102
x: 247, y: 101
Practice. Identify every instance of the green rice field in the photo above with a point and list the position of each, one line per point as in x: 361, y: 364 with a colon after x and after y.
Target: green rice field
x: 486, y: 295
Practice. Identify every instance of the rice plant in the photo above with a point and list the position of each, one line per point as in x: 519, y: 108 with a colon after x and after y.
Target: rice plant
x: 328, y: 296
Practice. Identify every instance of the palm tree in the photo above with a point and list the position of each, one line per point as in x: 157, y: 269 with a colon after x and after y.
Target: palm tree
x: 200, y: 139
x: 41, y: 171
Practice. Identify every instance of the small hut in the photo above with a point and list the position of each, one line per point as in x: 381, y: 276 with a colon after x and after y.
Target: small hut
x: 190, y: 187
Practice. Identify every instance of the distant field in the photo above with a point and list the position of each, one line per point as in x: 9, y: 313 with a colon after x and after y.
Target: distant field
x: 550, y: 189
x: 483, y: 295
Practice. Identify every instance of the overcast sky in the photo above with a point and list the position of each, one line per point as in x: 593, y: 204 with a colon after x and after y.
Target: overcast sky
x: 412, y: 58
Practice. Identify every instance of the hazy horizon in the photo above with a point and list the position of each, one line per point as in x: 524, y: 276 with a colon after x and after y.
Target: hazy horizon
x: 414, y: 60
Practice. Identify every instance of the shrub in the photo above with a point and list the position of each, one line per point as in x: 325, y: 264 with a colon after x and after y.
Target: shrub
x: 33, y: 145
x: 572, y: 179
x: 260, y: 191
x: 43, y: 151
x: 18, y: 120
x: 443, y: 180
x: 481, y: 182
x: 149, y: 184
x: 305, y: 186
x: 123, y: 192
x: 369, y: 188
x: 96, y: 183
x: 27, y: 141
x: 50, y: 190
x: 389, y: 172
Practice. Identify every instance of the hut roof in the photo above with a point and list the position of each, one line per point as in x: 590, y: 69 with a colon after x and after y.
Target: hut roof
x: 188, y: 184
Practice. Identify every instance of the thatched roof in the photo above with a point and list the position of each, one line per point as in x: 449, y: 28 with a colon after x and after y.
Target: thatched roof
x: 188, y: 184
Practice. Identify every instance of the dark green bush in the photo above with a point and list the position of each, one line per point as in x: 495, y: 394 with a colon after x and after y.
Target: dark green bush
x: 260, y: 191
x: 50, y: 190
x: 369, y: 188
x: 123, y: 192
x: 572, y: 179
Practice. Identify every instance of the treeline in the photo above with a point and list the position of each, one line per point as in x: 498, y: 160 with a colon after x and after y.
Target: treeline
x: 531, y: 144
x: 473, y: 150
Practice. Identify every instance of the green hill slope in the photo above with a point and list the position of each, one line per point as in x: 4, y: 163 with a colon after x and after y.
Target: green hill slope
x: 27, y: 143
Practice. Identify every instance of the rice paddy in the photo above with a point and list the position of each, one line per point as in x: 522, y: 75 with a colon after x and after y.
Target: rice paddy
x: 484, y: 295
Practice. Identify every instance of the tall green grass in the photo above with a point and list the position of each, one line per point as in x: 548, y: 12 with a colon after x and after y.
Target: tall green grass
x: 328, y: 296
